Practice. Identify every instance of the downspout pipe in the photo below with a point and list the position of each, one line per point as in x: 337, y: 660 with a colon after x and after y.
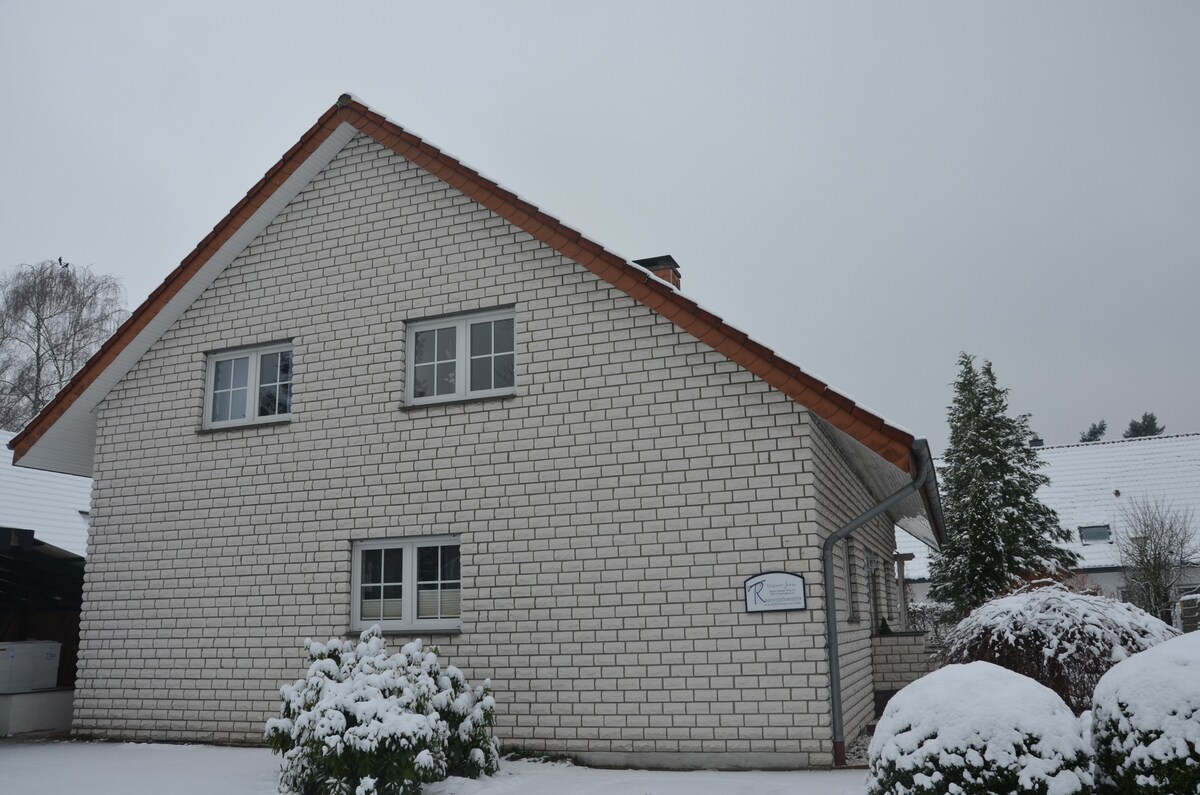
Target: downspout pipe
x: 924, y: 470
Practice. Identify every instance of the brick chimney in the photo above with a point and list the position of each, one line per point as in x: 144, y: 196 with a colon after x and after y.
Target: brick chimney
x: 664, y: 267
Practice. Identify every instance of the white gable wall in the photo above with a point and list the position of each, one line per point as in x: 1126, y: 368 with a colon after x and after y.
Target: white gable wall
x: 608, y: 513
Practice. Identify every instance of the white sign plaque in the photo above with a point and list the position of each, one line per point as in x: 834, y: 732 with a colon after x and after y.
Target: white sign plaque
x: 774, y: 590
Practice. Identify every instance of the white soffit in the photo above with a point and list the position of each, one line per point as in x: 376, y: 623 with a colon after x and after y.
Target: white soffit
x: 68, y: 445
x: 883, y: 479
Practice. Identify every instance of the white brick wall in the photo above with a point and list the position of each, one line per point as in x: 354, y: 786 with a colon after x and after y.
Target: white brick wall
x: 841, y: 497
x: 608, y: 513
x: 900, y: 659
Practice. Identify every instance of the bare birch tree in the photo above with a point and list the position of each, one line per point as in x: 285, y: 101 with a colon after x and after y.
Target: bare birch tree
x: 1156, y: 542
x: 53, y: 317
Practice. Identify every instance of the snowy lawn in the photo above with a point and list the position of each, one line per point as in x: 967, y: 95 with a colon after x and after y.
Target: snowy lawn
x: 71, y: 768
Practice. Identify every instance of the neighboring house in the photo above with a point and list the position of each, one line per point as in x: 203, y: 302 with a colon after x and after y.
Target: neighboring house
x: 43, y: 540
x: 384, y: 390
x: 1090, y: 485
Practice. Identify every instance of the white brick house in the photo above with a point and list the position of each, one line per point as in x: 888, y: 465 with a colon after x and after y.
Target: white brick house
x: 385, y: 389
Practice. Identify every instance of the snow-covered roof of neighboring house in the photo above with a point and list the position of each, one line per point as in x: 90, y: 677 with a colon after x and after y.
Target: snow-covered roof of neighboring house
x: 1091, y: 483
x: 53, y: 506
x: 918, y: 567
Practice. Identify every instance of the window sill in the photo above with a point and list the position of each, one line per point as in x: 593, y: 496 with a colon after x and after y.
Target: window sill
x: 244, y: 426
x: 458, y: 401
x: 418, y: 632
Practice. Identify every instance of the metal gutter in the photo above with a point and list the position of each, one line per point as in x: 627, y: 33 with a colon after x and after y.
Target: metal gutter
x: 920, y: 452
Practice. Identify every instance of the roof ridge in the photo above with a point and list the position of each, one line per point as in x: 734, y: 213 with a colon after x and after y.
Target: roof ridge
x: 892, y: 444
x: 1160, y: 436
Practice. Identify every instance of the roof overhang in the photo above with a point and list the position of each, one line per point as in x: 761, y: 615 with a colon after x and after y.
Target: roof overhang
x: 921, y: 514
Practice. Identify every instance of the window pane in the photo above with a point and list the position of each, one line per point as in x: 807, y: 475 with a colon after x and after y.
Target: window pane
x: 268, y: 368
x: 285, y: 366
x: 450, y: 564
x: 445, y: 378
x: 393, y: 565
x: 372, y: 565
x: 423, y: 380
x: 370, y: 607
x: 237, y: 406
x: 241, y: 369
x: 481, y: 373
x: 223, y: 375
x: 427, y: 563
x: 503, y: 336
x: 451, y: 601
x: 445, y: 343
x: 285, y: 398
x: 427, y: 601
x: 423, y: 350
x: 481, y: 338
x: 503, y: 371
x: 220, y: 406
x: 266, y: 401
x: 393, y: 602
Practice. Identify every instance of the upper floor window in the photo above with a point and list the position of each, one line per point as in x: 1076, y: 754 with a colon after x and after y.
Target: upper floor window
x: 1095, y: 534
x: 461, y: 357
x: 248, y: 385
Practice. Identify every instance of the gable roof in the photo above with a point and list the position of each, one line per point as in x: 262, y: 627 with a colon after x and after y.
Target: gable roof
x: 62, y: 436
x: 51, y: 505
x: 1091, y: 482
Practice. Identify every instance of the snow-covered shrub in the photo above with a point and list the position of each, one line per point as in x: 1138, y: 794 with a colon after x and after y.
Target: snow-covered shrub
x: 469, y: 714
x: 978, y: 729
x: 933, y: 618
x: 366, y: 723
x: 1146, y: 721
x: 1064, y: 640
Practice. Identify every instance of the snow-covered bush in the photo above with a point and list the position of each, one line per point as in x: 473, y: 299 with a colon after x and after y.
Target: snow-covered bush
x: 1146, y: 721
x: 932, y: 618
x: 469, y: 714
x: 366, y: 723
x: 978, y: 729
x: 1064, y: 640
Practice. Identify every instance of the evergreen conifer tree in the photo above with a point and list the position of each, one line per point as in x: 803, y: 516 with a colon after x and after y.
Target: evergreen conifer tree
x: 997, y: 527
x: 1095, y: 433
x: 1147, y: 426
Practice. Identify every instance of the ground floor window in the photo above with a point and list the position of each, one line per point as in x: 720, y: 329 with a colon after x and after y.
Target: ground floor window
x: 410, y: 584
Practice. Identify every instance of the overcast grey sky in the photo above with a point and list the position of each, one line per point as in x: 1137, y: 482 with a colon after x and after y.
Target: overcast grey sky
x: 867, y: 188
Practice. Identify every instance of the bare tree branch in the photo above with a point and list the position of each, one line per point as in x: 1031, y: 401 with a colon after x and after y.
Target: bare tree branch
x: 53, y: 317
x: 1156, y: 543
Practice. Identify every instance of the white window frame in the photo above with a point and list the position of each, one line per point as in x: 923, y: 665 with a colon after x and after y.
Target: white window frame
x: 254, y: 354
x: 462, y: 325
x: 851, y: 575
x: 409, y: 622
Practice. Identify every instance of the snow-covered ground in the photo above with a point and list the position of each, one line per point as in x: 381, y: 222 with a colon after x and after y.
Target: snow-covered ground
x: 70, y: 768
